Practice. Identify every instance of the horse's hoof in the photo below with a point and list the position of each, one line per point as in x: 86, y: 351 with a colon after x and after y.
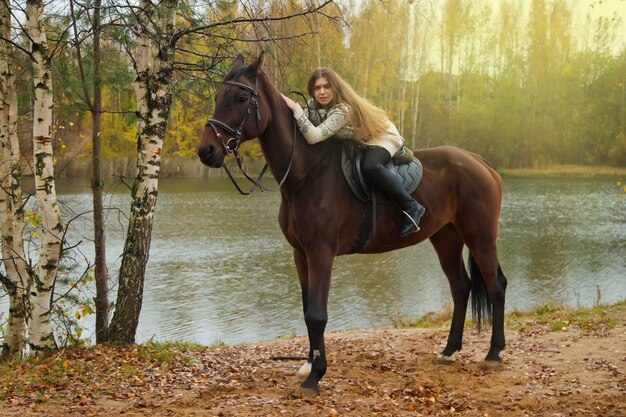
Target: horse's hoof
x: 304, y: 393
x: 444, y: 360
x: 491, y: 365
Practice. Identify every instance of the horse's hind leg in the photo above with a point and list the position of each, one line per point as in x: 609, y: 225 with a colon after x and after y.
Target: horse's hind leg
x: 497, y: 336
x: 449, y: 247
x: 487, y: 269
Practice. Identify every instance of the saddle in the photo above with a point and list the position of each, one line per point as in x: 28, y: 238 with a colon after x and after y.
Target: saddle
x: 404, y: 164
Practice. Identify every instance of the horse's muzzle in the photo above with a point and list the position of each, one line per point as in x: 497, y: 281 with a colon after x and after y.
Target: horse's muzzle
x: 211, y: 156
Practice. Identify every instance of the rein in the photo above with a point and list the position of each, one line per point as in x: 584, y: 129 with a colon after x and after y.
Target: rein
x: 233, y: 143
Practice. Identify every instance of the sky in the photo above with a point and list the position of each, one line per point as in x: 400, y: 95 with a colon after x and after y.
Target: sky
x: 603, y: 8
x: 594, y: 8
x: 610, y: 9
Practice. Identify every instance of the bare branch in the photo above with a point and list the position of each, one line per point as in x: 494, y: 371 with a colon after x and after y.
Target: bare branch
x: 79, y: 58
x: 240, y: 20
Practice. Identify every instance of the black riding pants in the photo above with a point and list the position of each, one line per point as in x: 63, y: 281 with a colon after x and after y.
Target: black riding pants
x: 373, y: 166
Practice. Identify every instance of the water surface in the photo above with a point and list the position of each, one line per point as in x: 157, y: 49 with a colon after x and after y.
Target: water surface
x: 221, y: 271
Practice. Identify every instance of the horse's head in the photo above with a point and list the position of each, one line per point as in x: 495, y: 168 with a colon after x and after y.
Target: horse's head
x: 238, y: 116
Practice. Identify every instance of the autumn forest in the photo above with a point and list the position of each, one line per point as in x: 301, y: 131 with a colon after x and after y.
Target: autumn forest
x: 525, y: 84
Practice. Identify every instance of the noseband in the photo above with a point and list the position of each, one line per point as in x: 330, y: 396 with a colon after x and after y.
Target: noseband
x: 232, y: 144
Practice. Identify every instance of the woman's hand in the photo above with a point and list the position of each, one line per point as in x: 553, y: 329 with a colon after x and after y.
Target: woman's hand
x: 289, y: 102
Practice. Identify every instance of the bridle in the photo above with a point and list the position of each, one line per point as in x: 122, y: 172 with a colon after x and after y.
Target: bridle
x: 232, y: 144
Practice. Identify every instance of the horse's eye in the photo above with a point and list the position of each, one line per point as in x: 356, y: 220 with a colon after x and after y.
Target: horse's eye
x: 241, y: 99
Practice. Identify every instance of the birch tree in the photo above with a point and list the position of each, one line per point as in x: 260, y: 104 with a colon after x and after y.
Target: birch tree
x: 40, y: 333
x: 15, y: 281
x: 153, y: 63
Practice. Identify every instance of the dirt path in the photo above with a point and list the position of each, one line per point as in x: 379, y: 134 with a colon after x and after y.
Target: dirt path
x: 575, y: 371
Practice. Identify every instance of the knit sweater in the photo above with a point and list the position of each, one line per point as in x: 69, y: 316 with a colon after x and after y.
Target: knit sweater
x: 319, y: 125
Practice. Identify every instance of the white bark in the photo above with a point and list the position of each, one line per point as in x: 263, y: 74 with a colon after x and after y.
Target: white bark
x: 44, y: 277
x: 154, y: 60
x: 11, y: 210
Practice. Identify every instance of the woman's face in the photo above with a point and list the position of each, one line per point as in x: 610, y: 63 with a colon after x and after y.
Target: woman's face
x: 322, y: 91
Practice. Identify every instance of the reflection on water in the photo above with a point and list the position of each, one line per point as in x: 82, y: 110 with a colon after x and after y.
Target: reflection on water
x: 220, y: 270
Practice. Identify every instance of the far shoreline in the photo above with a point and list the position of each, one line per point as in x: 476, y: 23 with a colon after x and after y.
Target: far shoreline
x: 581, y: 171
x: 185, y: 167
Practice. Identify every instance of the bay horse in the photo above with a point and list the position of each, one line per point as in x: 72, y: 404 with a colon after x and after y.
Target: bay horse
x: 320, y: 217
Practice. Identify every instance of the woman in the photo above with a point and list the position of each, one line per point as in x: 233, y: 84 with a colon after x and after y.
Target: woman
x: 342, y: 113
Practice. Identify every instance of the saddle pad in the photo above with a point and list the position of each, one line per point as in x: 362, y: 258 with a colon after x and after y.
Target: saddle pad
x: 410, y: 173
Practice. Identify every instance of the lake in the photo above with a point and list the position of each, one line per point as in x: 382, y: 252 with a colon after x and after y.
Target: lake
x: 220, y: 270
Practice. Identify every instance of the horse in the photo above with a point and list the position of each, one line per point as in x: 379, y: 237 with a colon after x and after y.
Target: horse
x: 320, y: 217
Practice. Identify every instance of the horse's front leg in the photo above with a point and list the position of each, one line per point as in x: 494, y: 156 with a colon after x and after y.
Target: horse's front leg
x: 316, y: 316
x: 302, y: 267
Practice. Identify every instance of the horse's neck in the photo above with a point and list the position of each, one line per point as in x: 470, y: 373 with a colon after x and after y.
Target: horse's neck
x: 277, y: 143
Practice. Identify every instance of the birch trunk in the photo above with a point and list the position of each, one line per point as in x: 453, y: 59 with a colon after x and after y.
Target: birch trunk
x: 153, y: 66
x: 11, y: 209
x: 40, y: 330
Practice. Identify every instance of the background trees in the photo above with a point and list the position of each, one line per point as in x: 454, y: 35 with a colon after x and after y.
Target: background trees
x: 527, y: 83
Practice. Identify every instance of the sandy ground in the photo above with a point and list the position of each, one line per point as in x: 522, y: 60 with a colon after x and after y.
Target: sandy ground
x: 575, y: 371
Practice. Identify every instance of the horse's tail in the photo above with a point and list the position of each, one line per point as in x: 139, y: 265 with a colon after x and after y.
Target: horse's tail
x: 481, y: 304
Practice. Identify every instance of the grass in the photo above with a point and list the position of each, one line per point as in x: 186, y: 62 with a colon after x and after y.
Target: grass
x: 34, y: 372
x: 169, y: 352
x: 425, y: 321
x: 556, y: 317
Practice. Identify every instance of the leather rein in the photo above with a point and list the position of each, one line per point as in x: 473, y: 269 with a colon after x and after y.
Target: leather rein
x: 231, y: 145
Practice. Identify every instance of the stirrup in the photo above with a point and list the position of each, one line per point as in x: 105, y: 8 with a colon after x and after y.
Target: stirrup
x: 417, y: 228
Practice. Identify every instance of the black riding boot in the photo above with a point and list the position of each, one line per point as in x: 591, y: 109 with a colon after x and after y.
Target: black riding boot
x: 389, y: 183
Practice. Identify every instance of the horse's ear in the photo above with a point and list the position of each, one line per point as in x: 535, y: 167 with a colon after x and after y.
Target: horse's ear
x: 257, y: 67
x: 237, y: 63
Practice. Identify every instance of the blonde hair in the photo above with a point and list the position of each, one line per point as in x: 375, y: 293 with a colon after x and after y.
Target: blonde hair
x: 369, y: 121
